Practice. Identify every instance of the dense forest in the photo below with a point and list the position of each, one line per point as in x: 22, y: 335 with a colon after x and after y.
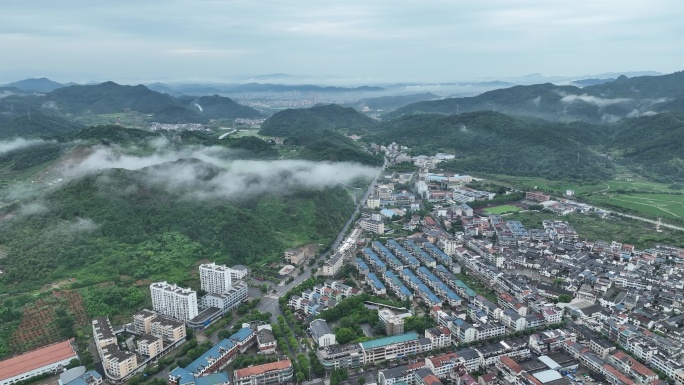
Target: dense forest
x: 114, y: 223
x: 493, y: 142
x: 306, y: 125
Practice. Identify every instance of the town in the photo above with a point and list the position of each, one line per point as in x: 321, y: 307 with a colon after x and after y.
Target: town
x: 434, y: 283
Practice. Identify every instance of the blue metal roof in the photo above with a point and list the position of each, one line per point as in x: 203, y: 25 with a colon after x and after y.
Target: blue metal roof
x: 375, y: 281
x: 212, y: 379
x: 85, y: 378
x: 388, y: 213
x: 361, y: 263
x: 215, y: 352
x: 184, y: 376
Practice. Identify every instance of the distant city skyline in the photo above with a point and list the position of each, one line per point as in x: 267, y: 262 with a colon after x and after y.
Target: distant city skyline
x: 335, y: 42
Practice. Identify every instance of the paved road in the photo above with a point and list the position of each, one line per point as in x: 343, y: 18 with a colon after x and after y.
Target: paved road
x: 269, y: 303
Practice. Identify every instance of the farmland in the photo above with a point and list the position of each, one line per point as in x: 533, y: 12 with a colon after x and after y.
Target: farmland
x: 654, y: 205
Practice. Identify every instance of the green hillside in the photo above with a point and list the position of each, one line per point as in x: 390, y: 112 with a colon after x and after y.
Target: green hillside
x: 36, y: 126
x: 116, y: 223
x: 335, y: 147
x: 219, y: 107
x: 306, y: 125
x: 497, y: 143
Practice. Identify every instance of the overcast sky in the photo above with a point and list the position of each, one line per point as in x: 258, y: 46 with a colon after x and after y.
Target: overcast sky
x: 361, y: 41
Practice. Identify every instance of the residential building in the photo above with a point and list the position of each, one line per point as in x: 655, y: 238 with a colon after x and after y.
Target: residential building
x: 173, y: 301
x: 439, y: 336
x: 333, y: 265
x: 229, y: 300
x: 48, y: 359
x: 279, y: 372
x: 215, y: 279
x: 117, y: 363
x: 372, y: 226
x: 216, y: 358
x: 394, y: 324
x: 149, y: 345
x: 391, y: 347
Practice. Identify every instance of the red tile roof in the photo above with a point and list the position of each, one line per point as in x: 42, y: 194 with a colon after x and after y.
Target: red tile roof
x: 260, y: 369
x: 36, y: 359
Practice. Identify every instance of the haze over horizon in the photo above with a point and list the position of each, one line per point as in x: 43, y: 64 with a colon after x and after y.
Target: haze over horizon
x: 349, y: 42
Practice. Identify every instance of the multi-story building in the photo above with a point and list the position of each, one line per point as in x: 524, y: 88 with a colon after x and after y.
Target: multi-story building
x: 168, y: 329
x: 118, y: 363
x: 333, y: 265
x: 173, y: 301
x: 295, y: 256
x: 215, y: 279
x: 142, y: 321
x: 238, y: 272
x: 48, y: 359
x: 340, y: 356
x: 439, y: 336
x: 266, y: 341
x: 633, y: 368
x: 443, y: 364
x: 148, y: 322
x: 279, y: 372
x: 391, y: 347
x: 394, y: 324
x: 215, y: 359
x: 103, y: 332
x: 321, y: 333
x: 377, y: 227
x: 228, y: 300
x: 149, y: 345
x: 537, y: 196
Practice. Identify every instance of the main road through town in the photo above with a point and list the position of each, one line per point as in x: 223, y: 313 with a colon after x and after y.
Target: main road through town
x: 269, y: 302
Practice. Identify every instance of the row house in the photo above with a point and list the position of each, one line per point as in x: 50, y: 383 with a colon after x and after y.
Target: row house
x: 439, y: 336
x: 633, y: 368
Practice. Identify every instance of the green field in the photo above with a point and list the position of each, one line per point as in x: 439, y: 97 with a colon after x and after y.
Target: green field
x: 502, y: 209
x: 654, y: 205
x: 622, y: 183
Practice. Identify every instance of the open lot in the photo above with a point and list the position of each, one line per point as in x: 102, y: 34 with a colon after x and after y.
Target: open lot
x: 502, y: 209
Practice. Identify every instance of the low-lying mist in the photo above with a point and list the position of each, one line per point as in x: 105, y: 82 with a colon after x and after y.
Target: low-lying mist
x: 212, y: 172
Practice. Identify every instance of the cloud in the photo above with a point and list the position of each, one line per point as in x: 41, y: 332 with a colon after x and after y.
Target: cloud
x: 595, y: 100
x: 209, y: 172
x: 11, y: 145
x: 31, y: 209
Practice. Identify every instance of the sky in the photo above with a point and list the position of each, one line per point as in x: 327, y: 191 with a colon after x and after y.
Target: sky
x: 329, y: 41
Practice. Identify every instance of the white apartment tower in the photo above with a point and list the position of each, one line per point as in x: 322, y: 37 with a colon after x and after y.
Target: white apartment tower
x: 173, y: 301
x: 215, y: 279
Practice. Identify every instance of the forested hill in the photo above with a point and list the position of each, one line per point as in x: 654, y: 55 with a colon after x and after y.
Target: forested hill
x: 219, y: 107
x: 607, y: 102
x: 306, y: 125
x: 652, y: 145
x: 394, y: 101
x: 109, y: 97
x: 116, y: 223
x: 36, y: 125
x: 496, y: 143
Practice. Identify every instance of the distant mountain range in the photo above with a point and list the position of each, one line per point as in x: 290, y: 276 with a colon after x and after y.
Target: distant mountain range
x: 36, y: 84
x: 109, y: 98
x: 605, y: 102
x: 204, y: 89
